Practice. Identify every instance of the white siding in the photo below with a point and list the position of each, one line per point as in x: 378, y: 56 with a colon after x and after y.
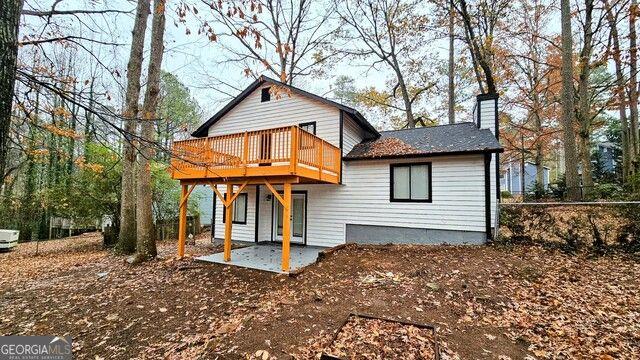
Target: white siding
x: 488, y: 114
x: 458, y: 201
x: 351, y: 135
x: 488, y: 121
x: 239, y: 232
x: 264, y: 231
x: 457, y: 182
x: 288, y: 109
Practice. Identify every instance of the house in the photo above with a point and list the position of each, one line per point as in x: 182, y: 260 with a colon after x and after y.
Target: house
x: 511, y: 181
x: 607, y: 156
x: 306, y: 170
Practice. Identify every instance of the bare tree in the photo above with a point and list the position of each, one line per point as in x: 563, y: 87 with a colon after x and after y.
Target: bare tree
x: 146, y: 242
x: 392, y: 32
x: 583, y: 110
x: 633, y: 87
x: 452, y: 68
x: 9, y: 22
x: 532, y: 80
x: 10, y: 15
x: 284, y: 39
x: 620, y: 92
x: 127, y: 236
x: 570, y: 158
x: 592, y: 24
x: 480, y: 30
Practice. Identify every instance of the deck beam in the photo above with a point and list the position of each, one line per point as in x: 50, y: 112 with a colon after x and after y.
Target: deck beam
x: 240, y: 180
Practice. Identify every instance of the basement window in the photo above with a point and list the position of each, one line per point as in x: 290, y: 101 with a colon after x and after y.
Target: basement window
x: 410, y: 182
x: 239, y: 210
x: 266, y: 94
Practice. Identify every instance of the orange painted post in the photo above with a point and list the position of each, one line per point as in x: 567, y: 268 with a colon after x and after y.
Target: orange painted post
x: 182, y: 221
x: 286, y: 226
x: 245, y: 152
x: 321, y: 159
x: 227, y: 223
x: 339, y: 163
x: 293, y: 164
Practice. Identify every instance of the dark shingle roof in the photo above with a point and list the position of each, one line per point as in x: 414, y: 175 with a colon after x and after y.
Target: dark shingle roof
x: 434, y: 140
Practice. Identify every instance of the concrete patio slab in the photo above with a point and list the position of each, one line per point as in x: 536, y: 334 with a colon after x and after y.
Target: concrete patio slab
x: 267, y: 257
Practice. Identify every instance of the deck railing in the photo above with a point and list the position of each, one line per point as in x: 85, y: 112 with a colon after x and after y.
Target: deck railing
x: 244, y: 154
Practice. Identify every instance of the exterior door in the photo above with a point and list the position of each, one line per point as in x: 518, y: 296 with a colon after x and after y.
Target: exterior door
x: 298, y: 219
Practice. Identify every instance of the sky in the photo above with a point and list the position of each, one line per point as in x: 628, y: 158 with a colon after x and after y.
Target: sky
x: 190, y: 57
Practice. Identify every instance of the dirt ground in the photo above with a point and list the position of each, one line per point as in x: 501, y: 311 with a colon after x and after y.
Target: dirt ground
x: 486, y: 302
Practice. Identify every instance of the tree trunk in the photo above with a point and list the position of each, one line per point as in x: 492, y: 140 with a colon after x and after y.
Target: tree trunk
x: 127, y: 236
x: 570, y: 158
x: 539, y: 154
x: 411, y: 121
x: 480, y: 56
x: 9, y: 22
x: 620, y: 91
x: 146, y: 244
x: 633, y: 88
x: 452, y: 94
x: 536, y: 113
x: 583, y: 111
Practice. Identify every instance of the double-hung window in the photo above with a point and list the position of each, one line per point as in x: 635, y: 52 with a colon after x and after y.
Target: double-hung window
x: 411, y: 182
x: 239, y: 210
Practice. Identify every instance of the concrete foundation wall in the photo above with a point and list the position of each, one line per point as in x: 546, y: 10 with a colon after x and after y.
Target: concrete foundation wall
x: 372, y: 234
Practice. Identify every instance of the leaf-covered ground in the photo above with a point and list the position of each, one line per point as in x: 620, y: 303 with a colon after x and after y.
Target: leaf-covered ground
x: 487, y: 302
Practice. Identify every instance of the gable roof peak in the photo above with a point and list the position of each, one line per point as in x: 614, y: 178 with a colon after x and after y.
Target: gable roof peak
x: 202, y: 130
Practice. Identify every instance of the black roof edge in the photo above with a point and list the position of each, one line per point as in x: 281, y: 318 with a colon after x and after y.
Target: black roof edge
x: 488, y: 96
x: 201, y: 131
x: 420, y: 155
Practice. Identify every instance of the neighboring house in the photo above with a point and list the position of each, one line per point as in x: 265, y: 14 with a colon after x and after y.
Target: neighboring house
x: 512, y: 182
x: 205, y: 204
x: 344, y: 181
x: 606, y: 153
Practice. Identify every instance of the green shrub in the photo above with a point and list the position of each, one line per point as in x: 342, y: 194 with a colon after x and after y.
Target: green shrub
x: 558, y: 189
x: 606, y: 191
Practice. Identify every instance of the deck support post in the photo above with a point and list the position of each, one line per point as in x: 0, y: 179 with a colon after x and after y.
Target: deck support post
x: 182, y: 221
x: 286, y: 226
x: 228, y: 222
x: 293, y: 158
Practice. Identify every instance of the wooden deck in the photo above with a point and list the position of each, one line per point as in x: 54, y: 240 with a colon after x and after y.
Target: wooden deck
x: 279, y: 152
x: 284, y: 155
